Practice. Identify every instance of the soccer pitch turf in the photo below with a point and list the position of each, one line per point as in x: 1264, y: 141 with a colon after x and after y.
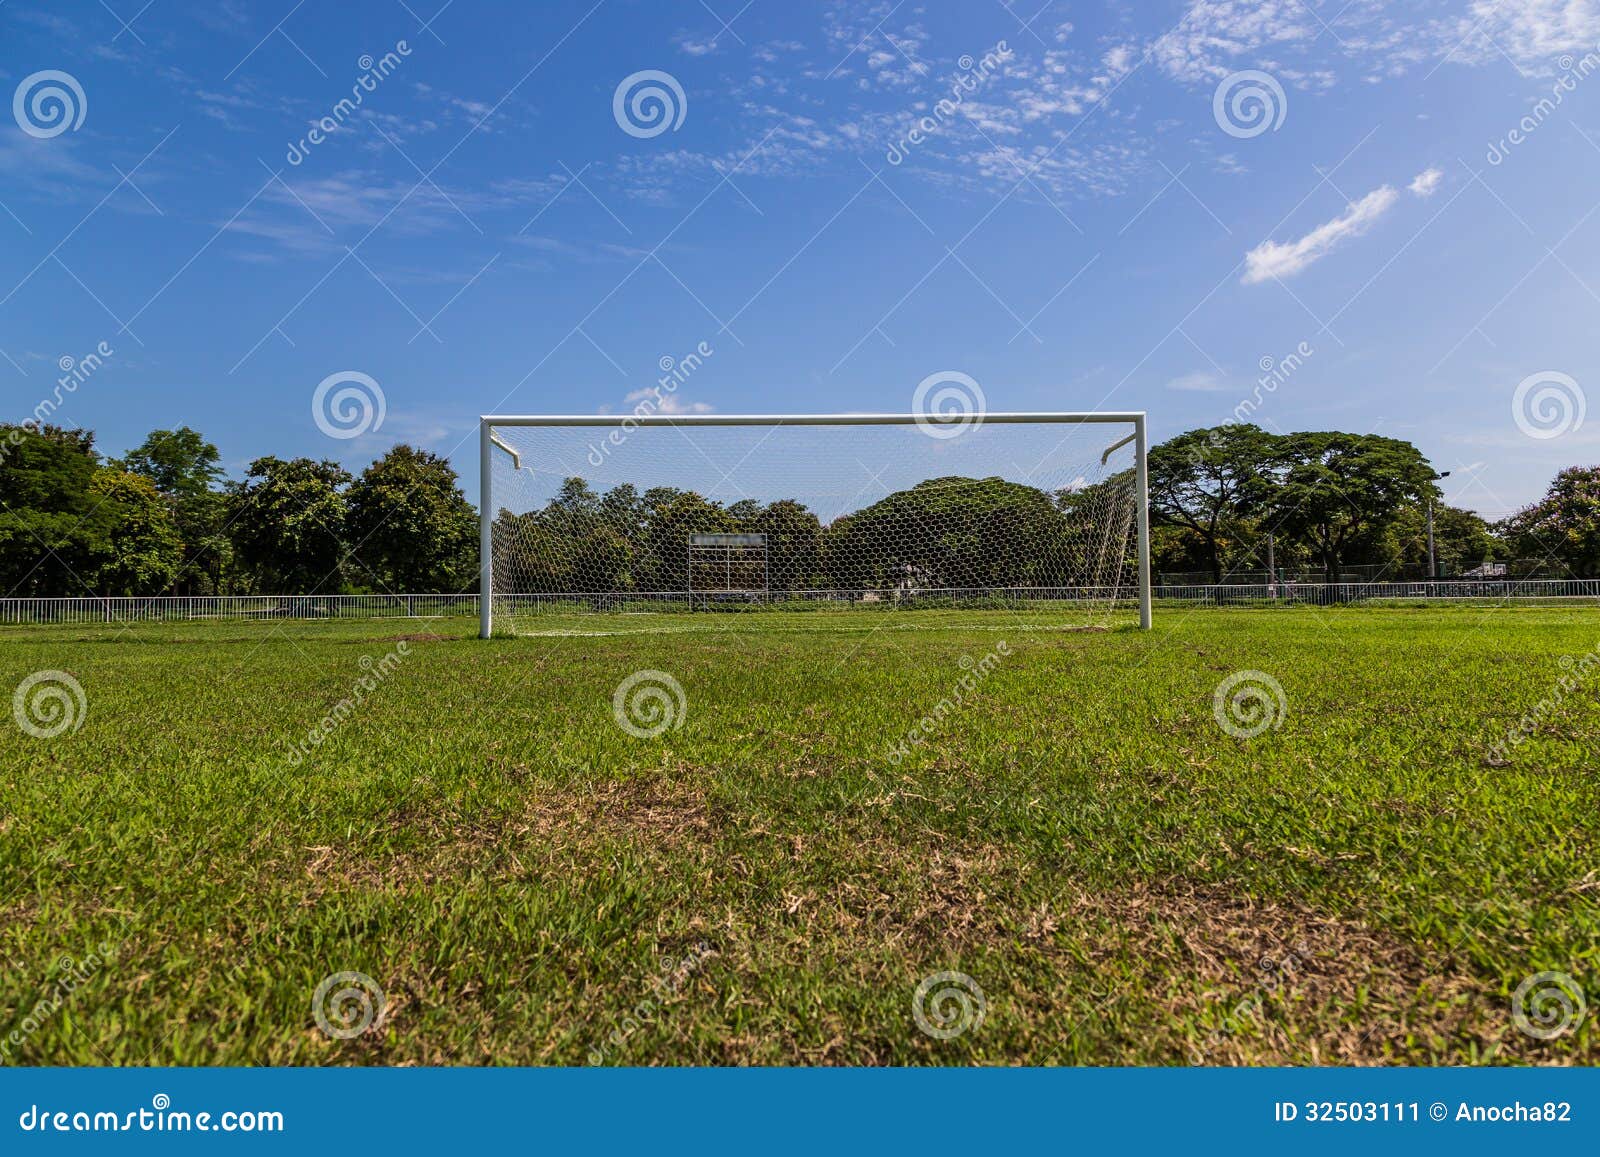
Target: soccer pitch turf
x: 769, y: 879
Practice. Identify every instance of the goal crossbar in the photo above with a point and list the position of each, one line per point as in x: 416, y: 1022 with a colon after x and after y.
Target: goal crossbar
x: 489, y: 442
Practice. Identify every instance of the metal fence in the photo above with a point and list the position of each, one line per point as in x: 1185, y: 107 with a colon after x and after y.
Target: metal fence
x: 313, y: 607
x: 185, y: 608
x: 1443, y: 590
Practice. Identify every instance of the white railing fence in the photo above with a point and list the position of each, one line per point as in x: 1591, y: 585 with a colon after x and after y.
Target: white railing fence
x: 314, y: 607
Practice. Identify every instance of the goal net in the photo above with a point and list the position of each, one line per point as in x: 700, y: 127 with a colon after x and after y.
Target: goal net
x: 887, y: 513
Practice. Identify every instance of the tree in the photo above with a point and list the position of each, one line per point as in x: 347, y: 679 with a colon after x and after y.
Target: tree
x: 178, y: 462
x: 144, y: 551
x: 1212, y: 483
x: 183, y: 467
x: 1564, y: 525
x: 53, y: 530
x: 287, y: 524
x: 794, y: 545
x: 1337, y: 492
x: 668, y: 525
x: 949, y: 532
x: 1462, y: 540
x: 410, y: 527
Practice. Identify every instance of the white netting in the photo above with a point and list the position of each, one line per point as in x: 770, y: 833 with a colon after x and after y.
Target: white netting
x: 709, y: 517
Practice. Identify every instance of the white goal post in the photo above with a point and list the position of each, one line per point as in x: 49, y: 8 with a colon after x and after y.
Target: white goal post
x: 873, y: 511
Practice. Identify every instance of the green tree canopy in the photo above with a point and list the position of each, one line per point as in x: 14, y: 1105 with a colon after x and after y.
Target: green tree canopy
x: 143, y: 552
x: 1338, y: 491
x: 178, y: 462
x: 54, y: 530
x: 1564, y: 525
x: 410, y: 528
x: 1212, y: 483
x: 287, y: 521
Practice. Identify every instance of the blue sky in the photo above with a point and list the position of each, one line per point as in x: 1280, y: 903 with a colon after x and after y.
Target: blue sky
x: 1094, y: 223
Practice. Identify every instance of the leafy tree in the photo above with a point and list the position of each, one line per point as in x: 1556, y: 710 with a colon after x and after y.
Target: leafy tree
x: 794, y: 545
x: 410, y: 528
x: 178, y: 462
x: 667, y: 527
x: 287, y: 523
x: 1337, y: 492
x: 1212, y: 483
x: 143, y: 552
x: 1461, y: 539
x: 949, y: 532
x: 1564, y: 525
x: 184, y: 468
x: 53, y: 529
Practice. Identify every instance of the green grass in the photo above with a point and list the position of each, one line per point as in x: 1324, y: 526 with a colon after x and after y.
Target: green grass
x: 1126, y: 882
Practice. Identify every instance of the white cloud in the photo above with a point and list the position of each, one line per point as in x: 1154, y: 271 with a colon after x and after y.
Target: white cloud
x: 668, y: 403
x: 1426, y: 182
x: 1276, y: 259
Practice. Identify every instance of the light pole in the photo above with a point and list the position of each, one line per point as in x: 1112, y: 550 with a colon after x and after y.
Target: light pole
x: 1433, y: 567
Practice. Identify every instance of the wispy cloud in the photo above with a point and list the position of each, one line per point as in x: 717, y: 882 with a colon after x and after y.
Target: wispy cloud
x: 1426, y: 182
x: 669, y: 403
x: 1279, y: 259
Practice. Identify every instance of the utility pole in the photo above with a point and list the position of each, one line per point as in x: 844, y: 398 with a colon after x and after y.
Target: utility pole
x: 1272, y: 567
x: 1433, y: 566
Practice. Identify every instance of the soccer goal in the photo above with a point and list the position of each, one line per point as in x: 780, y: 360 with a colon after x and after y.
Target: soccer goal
x: 818, y: 512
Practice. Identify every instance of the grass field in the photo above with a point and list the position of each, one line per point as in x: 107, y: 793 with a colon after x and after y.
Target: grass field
x: 769, y: 880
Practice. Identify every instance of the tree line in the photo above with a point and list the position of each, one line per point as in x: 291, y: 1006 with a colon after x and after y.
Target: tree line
x: 943, y: 532
x: 1330, y: 500
x: 163, y: 520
